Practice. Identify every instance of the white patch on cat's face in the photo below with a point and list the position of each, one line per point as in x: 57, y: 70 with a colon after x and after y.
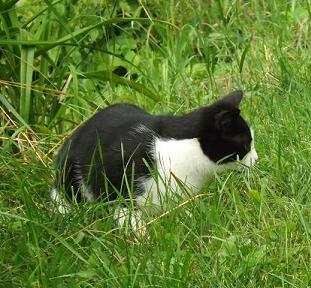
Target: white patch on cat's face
x: 251, y: 157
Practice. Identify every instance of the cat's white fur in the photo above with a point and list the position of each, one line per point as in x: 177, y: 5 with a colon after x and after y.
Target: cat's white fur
x: 59, y: 202
x: 251, y: 157
x: 183, y: 161
x: 177, y: 162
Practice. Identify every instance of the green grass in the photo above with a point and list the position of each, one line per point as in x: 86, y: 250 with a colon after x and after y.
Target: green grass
x: 248, y: 231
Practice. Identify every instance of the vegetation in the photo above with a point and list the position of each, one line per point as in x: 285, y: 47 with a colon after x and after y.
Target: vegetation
x: 60, y: 61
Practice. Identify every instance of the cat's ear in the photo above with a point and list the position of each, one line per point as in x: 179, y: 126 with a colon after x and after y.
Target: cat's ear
x: 226, y: 118
x: 233, y: 99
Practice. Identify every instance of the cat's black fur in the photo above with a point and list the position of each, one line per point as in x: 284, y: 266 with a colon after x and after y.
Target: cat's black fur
x: 95, y: 156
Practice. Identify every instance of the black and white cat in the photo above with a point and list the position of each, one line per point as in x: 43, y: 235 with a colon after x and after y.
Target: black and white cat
x: 123, y: 150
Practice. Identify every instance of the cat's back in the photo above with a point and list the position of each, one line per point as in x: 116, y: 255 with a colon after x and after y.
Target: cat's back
x: 115, y: 119
x: 116, y: 114
x: 119, y: 109
x: 107, y: 127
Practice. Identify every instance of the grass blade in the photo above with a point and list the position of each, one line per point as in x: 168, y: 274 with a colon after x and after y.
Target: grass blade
x: 243, y: 57
x: 8, y: 5
x: 26, y: 70
x: 47, y: 45
x: 11, y: 110
x: 107, y: 76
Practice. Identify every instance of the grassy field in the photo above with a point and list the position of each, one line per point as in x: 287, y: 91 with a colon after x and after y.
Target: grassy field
x: 246, y: 230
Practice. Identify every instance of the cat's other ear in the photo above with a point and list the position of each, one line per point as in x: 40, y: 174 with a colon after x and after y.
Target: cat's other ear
x: 233, y: 99
x: 225, y: 119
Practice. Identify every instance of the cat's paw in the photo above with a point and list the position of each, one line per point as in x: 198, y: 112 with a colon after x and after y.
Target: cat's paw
x: 131, y: 220
x: 58, y: 202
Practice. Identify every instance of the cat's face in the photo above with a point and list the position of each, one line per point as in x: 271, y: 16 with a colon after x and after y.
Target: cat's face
x: 233, y: 139
x: 236, y: 139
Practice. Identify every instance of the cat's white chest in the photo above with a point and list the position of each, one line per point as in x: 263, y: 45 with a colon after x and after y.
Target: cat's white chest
x: 179, y: 163
x: 183, y: 159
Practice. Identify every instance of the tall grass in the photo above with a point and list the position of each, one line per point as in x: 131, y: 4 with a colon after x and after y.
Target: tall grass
x: 248, y: 230
x: 46, y: 57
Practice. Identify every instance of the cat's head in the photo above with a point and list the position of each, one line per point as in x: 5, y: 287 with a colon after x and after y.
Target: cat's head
x: 229, y: 139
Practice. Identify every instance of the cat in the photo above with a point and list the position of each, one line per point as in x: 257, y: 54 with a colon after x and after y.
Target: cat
x: 124, y: 151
